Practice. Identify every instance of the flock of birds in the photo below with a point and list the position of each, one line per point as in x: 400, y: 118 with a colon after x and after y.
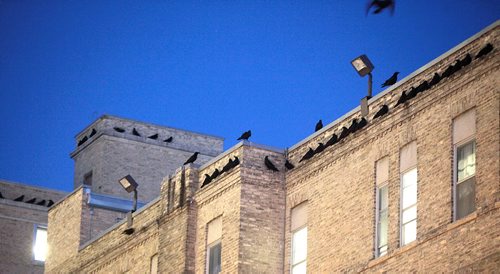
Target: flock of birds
x: 135, y: 132
x: 33, y: 201
x: 355, y: 124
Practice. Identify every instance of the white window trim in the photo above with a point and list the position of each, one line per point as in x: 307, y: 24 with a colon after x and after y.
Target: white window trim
x: 377, y: 216
x: 209, y: 246
x: 401, y: 209
x: 35, y: 228
x: 455, y: 171
x: 292, y: 264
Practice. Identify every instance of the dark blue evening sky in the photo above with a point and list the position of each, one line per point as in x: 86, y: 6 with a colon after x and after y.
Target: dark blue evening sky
x: 217, y: 67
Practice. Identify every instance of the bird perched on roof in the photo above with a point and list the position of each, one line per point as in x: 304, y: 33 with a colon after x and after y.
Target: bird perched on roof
x: 83, y: 140
x: 41, y: 203
x: 135, y: 132
x: 154, y: 136
x: 270, y: 164
x: 320, y: 148
x: 380, y: 5
x: 191, y: 159
x: 228, y: 166
x: 245, y: 135
x: 289, y: 165
x: 319, y: 125
x: 485, y: 50
x: 50, y: 203
x: 309, y: 154
x: 168, y: 140
x: 207, y: 180
x: 1, y: 196
x: 119, y: 129
x: 31, y: 201
x: 333, y: 140
x: 383, y: 111
x: 19, y: 199
x: 93, y: 132
x: 215, y: 174
x: 391, y: 81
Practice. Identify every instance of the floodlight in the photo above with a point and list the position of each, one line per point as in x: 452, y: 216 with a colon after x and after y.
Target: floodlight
x: 363, y: 67
x: 128, y: 183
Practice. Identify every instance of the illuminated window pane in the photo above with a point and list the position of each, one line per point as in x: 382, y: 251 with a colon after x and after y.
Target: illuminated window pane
x: 382, y: 226
x: 409, y: 207
x: 40, y: 246
x: 299, y: 245
x: 409, y: 232
x: 299, y: 268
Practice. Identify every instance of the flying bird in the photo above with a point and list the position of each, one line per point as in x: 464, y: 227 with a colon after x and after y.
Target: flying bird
x: 289, y: 165
x: 19, y: 199
x: 154, y: 136
x: 309, y: 154
x: 270, y: 164
x: 135, y: 132
x: 319, y: 125
x: 119, y: 129
x: 191, y: 159
x: 245, y: 135
x: 93, y: 132
x: 41, y: 203
x: 391, y: 81
x: 484, y: 50
x: 31, y: 201
x: 50, y: 203
x: 168, y: 140
x: 380, y: 5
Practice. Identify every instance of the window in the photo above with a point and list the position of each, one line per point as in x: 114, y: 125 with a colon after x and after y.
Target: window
x: 382, y: 205
x: 464, y: 183
x: 408, y: 206
x: 87, y: 179
x: 154, y: 264
x: 40, y: 244
x: 299, y: 239
x: 214, y: 246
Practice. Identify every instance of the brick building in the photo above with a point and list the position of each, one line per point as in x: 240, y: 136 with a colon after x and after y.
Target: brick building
x: 412, y: 186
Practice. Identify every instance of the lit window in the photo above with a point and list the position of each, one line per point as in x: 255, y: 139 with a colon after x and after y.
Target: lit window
x: 40, y: 244
x: 464, y: 182
x: 408, y: 188
x: 214, y: 246
x: 154, y: 264
x: 299, y: 239
x: 382, y: 206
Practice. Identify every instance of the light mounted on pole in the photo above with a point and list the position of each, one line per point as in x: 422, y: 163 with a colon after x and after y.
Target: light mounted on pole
x: 364, y: 67
x: 130, y: 185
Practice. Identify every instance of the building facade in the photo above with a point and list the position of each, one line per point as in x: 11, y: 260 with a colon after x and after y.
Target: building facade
x: 412, y: 186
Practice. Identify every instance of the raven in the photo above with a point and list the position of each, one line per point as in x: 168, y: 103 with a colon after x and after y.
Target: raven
x: 192, y: 158
x: 391, y: 81
x: 270, y: 164
x: 380, y: 6
x: 319, y: 125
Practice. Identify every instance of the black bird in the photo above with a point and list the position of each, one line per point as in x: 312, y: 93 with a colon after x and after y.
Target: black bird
x: 192, y: 158
x: 448, y: 72
x: 270, y: 164
x: 135, y: 132
x: 382, y: 111
x: 50, y: 203
x: 402, y: 99
x: 93, y: 132
x: 19, y: 199
x: 236, y: 161
x: 435, y: 80
x: 380, y: 5
x: 245, y: 135
x: 333, y: 140
x: 485, y: 50
x: 42, y: 203
x: 354, y: 126
x: 422, y: 87
x: 83, y: 140
x: 309, y: 154
x: 168, y: 140
x: 466, y: 61
x: 319, y: 125
x: 391, y: 81
x: 154, y: 136
x: 207, y: 180
x: 228, y: 166
x: 215, y: 174
x: 129, y: 231
x: 119, y: 129
x: 320, y: 148
x: 411, y: 93
x: 289, y: 165
x: 362, y: 123
x: 345, y: 131
x: 1, y: 196
x: 32, y: 201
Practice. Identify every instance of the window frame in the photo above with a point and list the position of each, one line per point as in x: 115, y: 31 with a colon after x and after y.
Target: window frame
x: 377, y: 217
x: 36, y: 227
x: 209, y: 246
x: 292, y: 264
x: 401, y: 209
x: 456, y: 146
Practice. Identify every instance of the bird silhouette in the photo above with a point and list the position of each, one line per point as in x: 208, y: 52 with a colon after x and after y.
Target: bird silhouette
x: 31, y: 201
x: 215, y: 174
x: 380, y: 5
x: 402, y: 99
x: 333, y: 140
x: 309, y: 154
x: 119, y: 129
x: 236, y: 161
x: 83, y: 140
x: 382, y: 111
x: 168, y: 140
x: 392, y: 80
x: 19, y: 199
x: 154, y: 136
x: 344, y: 133
x: 362, y: 123
x: 245, y: 135
x: 411, y: 93
x: 435, y: 80
x: 423, y: 87
x: 467, y: 60
x: 319, y: 148
x: 135, y: 132
x: 485, y: 50
x: 41, y: 203
x: 354, y: 126
x: 1, y: 196
x: 289, y: 165
x: 270, y: 164
x: 228, y: 166
x: 93, y: 132
x: 50, y: 203
x: 192, y: 158
x: 319, y: 125
x: 207, y: 180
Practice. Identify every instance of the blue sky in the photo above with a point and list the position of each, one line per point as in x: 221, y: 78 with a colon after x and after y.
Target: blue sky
x: 218, y: 67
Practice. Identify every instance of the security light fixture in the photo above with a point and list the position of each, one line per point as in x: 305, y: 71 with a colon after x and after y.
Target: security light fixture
x: 129, y: 184
x: 363, y: 66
